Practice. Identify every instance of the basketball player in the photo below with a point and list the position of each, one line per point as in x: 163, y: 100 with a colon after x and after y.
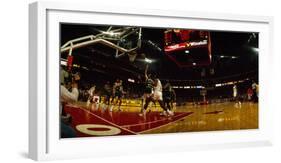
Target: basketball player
x: 255, y: 91
x: 249, y: 94
x: 107, y: 94
x: 156, y: 95
x: 117, y: 92
x: 234, y: 92
x: 148, y: 88
x: 174, y: 99
x: 169, y: 96
x: 235, y: 96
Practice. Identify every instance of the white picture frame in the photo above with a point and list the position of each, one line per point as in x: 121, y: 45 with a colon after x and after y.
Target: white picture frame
x: 44, y: 141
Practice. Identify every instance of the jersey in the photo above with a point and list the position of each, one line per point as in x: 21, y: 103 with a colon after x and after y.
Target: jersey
x: 107, y: 89
x: 235, y: 91
x: 118, y: 89
x: 168, y: 93
x: 148, y: 86
x: 158, y: 86
x: 157, y: 94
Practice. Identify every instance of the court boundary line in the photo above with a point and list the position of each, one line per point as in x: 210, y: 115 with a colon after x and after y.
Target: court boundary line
x: 142, y: 132
x: 144, y: 123
x: 109, y: 121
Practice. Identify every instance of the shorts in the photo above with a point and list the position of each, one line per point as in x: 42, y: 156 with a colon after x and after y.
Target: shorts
x: 148, y: 90
x: 107, y: 94
x: 118, y: 94
x: 167, y: 99
x: 147, y: 95
x: 157, y: 96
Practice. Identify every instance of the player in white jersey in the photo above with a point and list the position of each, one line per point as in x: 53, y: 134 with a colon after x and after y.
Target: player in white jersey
x: 157, y: 95
x: 236, y: 97
x: 234, y: 92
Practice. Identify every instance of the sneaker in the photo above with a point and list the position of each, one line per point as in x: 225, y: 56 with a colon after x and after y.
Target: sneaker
x: 170, y: 113
x: 142, y: 113
x: 103, y: 107
x: 88, y: 103
x: 97, y: 106
x: 106, y: 107
x: 111, y: 108
x: 164, y: 113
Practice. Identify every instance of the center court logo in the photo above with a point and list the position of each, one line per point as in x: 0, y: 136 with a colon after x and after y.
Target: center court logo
x: 98, y: 130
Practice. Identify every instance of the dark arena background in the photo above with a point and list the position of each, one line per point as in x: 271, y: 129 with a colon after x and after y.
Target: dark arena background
x: 118, y: 80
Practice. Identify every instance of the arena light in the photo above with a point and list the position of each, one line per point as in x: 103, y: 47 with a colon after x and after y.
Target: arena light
x: 232, y: 57
x: 64, y: 63
x: 218, y: 85
x: 85, y: 68
x: 148, y: 60
x: 186, y: 51
x: 256, y: 50
x: 230, y: 83
x: 131, y: 80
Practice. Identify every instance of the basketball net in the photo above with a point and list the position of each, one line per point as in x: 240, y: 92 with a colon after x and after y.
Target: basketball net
x: 132, y: 56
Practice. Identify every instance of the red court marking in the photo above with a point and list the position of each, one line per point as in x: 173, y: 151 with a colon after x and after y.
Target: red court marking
x: 99, y: 129
x: 81, y: 116
x: 128, y: 122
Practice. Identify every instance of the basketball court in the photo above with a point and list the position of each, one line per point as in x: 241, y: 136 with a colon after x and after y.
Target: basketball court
x: 89, y: 121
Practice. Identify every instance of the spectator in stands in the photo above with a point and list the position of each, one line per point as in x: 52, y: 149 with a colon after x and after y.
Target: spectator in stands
x: 68, y: 97
x: 255, y: 91
x: 249, y: 94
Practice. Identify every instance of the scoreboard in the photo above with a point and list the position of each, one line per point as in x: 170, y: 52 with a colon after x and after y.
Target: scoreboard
x: 188, y: 47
